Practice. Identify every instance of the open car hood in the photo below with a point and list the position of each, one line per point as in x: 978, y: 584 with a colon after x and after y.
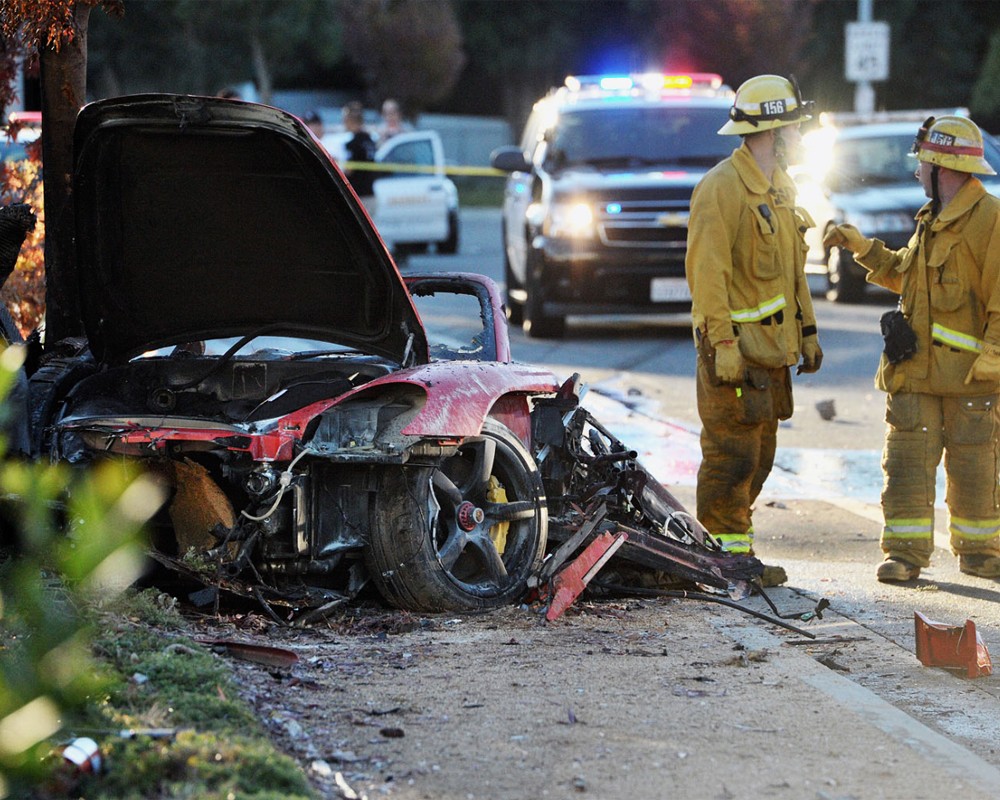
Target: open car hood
x: 201, y: 218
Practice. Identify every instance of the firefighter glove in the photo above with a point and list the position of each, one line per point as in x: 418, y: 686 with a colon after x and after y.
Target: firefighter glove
x: 729, y: 366
x: 812, y: 355
x: 848, y: 237
x: 986, y: 367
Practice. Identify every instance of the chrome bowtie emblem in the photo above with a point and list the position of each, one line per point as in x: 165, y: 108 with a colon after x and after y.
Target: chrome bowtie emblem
x: 673, y: 219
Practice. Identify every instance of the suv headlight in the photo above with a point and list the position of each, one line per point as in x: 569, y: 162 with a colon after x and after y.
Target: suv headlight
x: 882, y: 222
x: 574, y: 220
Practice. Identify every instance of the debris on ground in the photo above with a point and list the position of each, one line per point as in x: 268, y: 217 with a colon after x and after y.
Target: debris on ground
x: 958, y: 648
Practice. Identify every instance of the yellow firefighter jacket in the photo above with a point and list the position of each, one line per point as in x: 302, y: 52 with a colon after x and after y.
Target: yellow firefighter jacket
x: 745, y: 259
x: 947, y: 276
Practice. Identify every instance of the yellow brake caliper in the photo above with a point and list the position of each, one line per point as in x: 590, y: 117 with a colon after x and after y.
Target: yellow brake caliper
x: 498, y: 533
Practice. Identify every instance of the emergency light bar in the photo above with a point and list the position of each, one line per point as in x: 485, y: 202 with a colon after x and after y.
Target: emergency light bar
x: 648, y: 81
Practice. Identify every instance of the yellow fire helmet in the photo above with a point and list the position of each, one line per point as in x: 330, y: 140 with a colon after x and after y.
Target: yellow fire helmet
x: 954, y: 143
x: 765, y: 102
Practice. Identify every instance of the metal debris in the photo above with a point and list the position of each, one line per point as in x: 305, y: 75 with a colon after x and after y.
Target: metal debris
x: 599, y: 495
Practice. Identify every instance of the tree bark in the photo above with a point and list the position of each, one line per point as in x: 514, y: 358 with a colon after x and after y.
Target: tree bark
x: 64, y: 88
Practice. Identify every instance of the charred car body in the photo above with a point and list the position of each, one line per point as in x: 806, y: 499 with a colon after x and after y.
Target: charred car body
x: 249, y: 339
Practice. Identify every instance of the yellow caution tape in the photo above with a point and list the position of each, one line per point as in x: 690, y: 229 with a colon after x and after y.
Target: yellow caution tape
x: 382, y: 166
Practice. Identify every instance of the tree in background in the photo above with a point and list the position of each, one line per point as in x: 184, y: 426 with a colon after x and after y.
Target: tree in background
x: 23, y: 293
x: 519, y: 50
x: 199, y: 47
x: 735, y: 38
x: 407, y: 49
x: 55, y: 32
x: 985, y: 101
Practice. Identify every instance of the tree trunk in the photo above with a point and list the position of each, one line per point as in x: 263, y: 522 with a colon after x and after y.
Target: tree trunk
x: 64, y: 87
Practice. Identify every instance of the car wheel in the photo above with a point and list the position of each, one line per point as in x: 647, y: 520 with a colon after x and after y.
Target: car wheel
x: 462, y: 536
x: 844, y: 284
x: 47, y: 388
x: 450, y: 245
x: 538, y: 324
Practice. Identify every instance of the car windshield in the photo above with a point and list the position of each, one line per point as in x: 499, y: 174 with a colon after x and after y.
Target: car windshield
x: 881, y: 160
x: 259, y: 347
x: 642, y: 136
x: 873, y: 161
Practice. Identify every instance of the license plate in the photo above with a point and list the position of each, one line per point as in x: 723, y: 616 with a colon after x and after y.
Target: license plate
x: 665, y: 290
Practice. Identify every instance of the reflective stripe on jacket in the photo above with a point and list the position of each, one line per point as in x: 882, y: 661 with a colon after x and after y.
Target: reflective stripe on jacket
x: 745, y: 261
x: 948, y: 278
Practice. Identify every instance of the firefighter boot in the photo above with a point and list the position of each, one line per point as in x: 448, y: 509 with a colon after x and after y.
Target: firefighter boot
x: 895, y: 569
x: 979, y: 564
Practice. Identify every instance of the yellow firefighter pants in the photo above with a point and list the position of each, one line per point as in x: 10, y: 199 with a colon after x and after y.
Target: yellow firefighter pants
x: 919, y: 427
x: 738, y: 439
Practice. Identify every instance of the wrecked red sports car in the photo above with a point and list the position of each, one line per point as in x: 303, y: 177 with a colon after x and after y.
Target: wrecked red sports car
x: 249, y: 338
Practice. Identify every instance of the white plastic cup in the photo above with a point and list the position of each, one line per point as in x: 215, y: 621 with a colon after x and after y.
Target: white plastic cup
x: 84, y: 754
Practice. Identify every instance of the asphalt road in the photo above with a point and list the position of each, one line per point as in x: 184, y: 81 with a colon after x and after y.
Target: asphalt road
x: 819, y: 514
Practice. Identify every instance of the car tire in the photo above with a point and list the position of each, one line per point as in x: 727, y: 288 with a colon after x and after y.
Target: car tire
x: 537, y: 324
x: 844, y: 284
x: 450, y: 245
x: 431, y: 550
x: 47, y: 388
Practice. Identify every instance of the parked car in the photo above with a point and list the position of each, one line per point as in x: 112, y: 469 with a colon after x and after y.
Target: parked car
x: 595, y: 212
x: 249, y: 339
x: 416, y: 204
x: 860, y: 172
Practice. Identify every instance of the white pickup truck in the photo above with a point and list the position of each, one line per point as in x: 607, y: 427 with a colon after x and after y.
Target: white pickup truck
x: 413, y: 209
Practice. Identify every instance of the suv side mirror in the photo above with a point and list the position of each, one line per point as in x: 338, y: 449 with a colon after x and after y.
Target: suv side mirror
x: 509, y: 159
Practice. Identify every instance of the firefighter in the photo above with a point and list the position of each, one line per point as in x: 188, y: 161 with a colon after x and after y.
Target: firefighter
x: 751, y: 310
x: 942, y: 387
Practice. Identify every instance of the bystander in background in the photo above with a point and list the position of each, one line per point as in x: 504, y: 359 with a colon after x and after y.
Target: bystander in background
x: 314, y: 122
x: 360, y: 149
x: 392, y: 121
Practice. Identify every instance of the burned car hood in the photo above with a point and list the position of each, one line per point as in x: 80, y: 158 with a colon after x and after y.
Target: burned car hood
x: 201, y: 218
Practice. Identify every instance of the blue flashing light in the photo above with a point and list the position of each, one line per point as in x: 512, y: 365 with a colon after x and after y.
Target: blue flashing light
x: 613, y: 208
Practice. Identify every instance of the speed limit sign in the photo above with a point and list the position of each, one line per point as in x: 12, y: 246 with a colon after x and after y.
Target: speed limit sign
x: 866, y: 51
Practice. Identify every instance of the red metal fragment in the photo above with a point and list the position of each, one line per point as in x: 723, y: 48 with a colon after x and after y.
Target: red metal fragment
x: 570, y: 583
x: 259, y: 654
x: 955, y: 647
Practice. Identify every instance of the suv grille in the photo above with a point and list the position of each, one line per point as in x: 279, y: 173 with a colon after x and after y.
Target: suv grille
x: 650, y: 223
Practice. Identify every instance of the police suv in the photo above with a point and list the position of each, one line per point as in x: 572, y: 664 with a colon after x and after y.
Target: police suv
x: 596, y: 207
